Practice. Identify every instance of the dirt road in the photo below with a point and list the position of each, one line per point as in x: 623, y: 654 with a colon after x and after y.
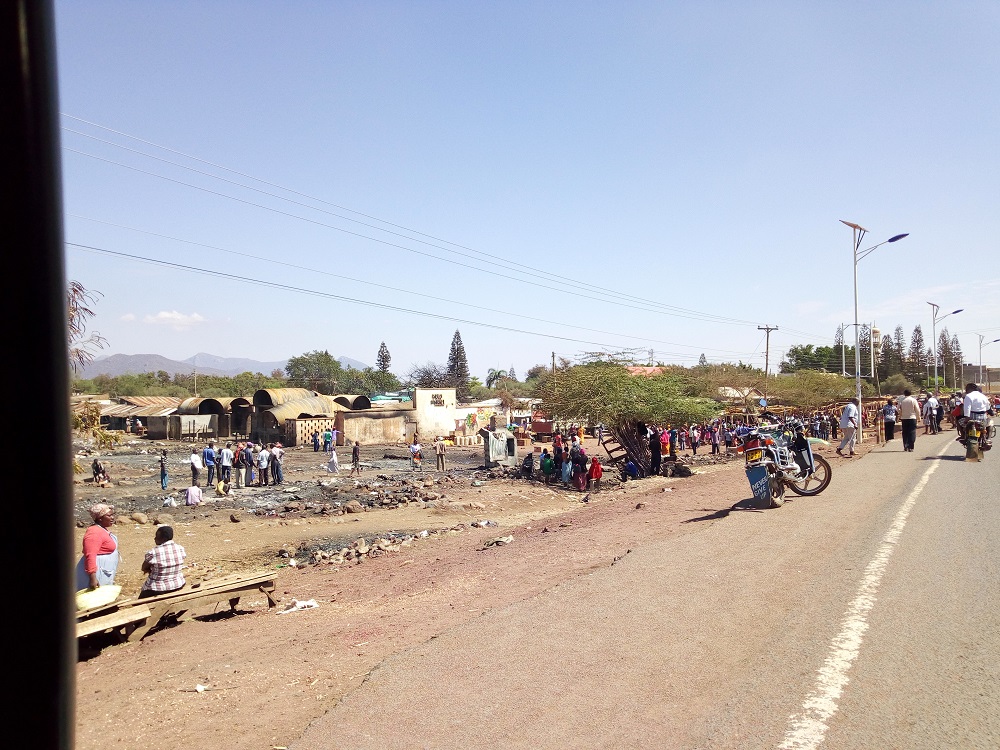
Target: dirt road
x: 271, y: 674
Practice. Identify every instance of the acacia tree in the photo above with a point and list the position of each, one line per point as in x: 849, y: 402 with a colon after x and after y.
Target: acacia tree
x: 607, y: 393
x: 317, y: 371
x: 78, y: 307
x: 811, y: 389
x: 383, y: 358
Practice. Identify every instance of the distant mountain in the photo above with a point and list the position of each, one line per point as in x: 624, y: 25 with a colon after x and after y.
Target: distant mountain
x: 207, y: 364
x: 348, y: 362
x: 232, y: 365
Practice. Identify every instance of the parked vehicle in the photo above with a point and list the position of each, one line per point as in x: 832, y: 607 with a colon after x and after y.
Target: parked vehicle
x: 779, y: 457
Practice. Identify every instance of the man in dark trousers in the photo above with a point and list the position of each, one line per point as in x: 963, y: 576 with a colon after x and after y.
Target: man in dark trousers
x: 654, y: 451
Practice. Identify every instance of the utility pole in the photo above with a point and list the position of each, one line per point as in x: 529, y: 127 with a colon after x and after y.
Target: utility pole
x: 767, y: 352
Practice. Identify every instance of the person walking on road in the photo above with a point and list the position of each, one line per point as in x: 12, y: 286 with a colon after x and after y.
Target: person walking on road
x: 889, y: 413
x: 849, y: 421
x: 909, y: 413
x: 356, y: 459
x: 439, y: 449
x: 930, y: 415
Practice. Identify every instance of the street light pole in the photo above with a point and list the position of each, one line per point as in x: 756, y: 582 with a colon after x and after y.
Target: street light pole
x: 934, y: 322
x: 981, y: 345
x: 859, y: 233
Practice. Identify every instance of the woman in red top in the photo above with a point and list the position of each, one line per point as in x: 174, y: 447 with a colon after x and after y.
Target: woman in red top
x: 595, y: 473
x: 100, y: 558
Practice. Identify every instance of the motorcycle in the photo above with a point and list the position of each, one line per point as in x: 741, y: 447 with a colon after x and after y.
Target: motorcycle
x: 979, y: 434
x: 779, y: 457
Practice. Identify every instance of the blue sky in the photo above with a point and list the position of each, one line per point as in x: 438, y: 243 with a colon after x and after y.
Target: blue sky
x: 662, y: 176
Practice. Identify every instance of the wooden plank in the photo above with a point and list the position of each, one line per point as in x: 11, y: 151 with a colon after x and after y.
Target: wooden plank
x: 226, y: 583
x: 160, y: 607
x: 113, y: 620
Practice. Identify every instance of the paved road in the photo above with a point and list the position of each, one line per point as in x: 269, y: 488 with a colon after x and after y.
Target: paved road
x: 865, y: 618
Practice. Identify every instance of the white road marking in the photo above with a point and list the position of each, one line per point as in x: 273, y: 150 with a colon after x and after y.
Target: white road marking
x: 807, y: 729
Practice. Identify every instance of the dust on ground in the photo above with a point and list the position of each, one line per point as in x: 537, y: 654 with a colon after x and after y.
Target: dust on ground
x: 269, y: 675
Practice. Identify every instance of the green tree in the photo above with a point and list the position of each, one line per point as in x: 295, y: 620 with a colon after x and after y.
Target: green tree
x: 511, y: 375
x: 317, y: 371
x: 956, y: 361
x: 899, y: 348
x: 702, y: 360
x: 811, y: 389
x: 536, y: 372
x: 383, y: 359
x: 916, y: 356
x: 943, y: 356
x: 894, y: 385
x: 458, y: 367
x: 494, y: 377
x: 606, y: 393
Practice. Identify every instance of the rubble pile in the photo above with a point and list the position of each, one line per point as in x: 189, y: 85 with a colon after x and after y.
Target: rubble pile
x: 333, y: 553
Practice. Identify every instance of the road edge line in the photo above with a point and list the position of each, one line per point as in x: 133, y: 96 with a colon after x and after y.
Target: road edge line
x: 807, y: 729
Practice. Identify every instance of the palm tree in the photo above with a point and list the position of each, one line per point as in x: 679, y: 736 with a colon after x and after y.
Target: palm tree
x: 495, y: 376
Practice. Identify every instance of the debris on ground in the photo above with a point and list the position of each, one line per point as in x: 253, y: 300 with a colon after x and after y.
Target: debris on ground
x: 499, y: 541
x: 295, y: 605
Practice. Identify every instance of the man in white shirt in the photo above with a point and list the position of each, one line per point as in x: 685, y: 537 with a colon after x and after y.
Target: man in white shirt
x: 975, y: 401
x: 930, y: 415
x: 909, y: 413
x: 849, y: 421
x: 225, y: 461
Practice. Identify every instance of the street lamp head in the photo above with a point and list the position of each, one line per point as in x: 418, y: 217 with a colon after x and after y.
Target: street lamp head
x: 956, y: 311
x: 852, y: 225
x: 898, y: 237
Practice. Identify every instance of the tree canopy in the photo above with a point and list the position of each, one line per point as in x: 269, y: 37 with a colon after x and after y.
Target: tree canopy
x: 458, y: 367
x: 383, y: 359
x: 607, y: 393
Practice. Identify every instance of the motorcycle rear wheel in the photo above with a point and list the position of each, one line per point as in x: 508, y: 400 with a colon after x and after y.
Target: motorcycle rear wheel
x: 814, y: 484
x: 777, y: 492
x: 972, y: 452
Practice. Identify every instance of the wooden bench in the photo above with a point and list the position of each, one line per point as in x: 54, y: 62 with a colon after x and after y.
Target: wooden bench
x: 229, y: 589
x: 127, y: 618
x: 136, y: 617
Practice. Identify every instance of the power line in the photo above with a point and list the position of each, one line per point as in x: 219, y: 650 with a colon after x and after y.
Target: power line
x: 274, y: 261
x: 393, y: 244
x: 329, y: 295
x: 710, y: 317
x: 488, y: 258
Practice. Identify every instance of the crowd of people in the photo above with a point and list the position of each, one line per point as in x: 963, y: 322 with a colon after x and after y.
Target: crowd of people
x: 568, y: 463
x: 930, y: 409
x: 235, y: 466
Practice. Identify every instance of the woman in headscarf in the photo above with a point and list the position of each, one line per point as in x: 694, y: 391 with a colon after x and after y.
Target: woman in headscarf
x: 566, y: 468
x: 100, y: 558
x: 580, y: 471
x: 595, y: 473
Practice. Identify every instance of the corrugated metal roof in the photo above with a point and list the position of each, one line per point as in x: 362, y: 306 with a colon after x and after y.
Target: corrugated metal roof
x: 312, y: 406
x: 277, y: 396
x: 128, y: 410
x: 163, y: 401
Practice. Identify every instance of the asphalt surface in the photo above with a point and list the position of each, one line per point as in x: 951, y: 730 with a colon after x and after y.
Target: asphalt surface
x: 866, y: 617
